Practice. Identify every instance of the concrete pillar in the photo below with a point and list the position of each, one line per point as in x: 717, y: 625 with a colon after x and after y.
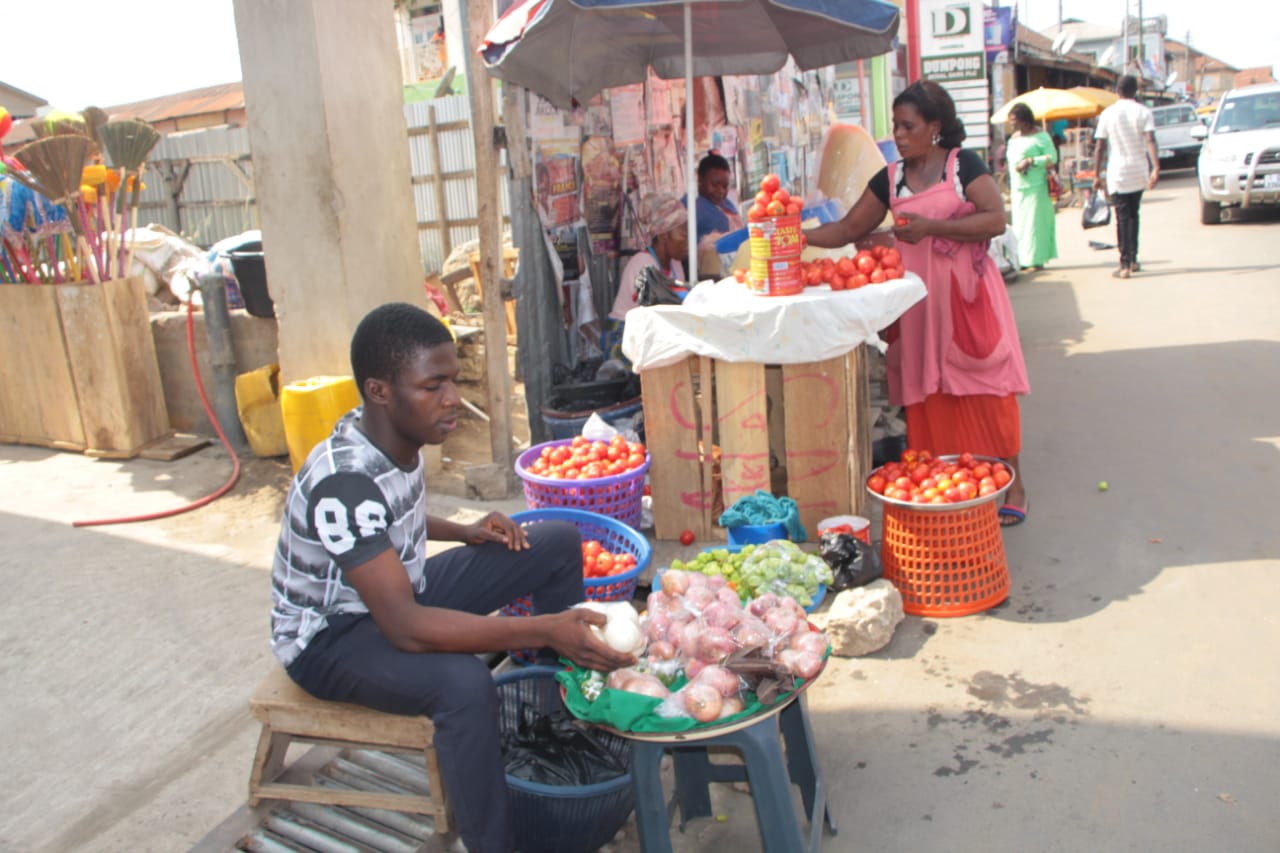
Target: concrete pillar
x: 331, y: 171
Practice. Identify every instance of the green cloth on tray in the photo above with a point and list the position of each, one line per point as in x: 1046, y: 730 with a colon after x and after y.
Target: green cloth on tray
x: 631, y: 712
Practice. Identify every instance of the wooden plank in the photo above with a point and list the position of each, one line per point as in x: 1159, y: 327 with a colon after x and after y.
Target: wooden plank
x: 711, y: 476
x: 858, y: 368
x: 37, y: 394
x: 743, y: 424
x: 816, y: 403
x: 107, y: 330
x: 681, y: 496
x: 437, y: 165
x: 489, y: 212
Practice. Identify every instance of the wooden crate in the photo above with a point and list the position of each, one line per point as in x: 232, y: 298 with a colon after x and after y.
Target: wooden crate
x: 707, y: 427
x: 79, y: 368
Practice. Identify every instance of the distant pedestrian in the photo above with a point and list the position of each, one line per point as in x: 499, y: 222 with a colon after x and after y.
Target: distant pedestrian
x: 1125, y: 153
x: 1031, y: 155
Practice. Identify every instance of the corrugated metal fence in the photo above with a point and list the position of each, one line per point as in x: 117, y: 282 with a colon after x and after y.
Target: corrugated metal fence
x: 200, y: 183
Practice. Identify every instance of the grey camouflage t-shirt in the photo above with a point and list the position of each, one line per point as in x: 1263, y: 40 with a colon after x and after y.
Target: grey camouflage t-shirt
x: 348, y: 503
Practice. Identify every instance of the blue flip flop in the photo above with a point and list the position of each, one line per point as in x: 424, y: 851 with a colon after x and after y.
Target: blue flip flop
x: 1011, y: 511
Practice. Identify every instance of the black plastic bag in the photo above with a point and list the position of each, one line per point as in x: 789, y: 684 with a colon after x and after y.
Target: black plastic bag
x: 1097, y: 211
x: 654, y: 287
x: 852, y: 561
x: 554, y: 749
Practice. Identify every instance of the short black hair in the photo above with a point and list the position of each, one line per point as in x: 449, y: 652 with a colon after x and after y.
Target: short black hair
x: 389, y: 336
x: 1021, y: 113
x: 934, y: 104
x: 712, y: 162
x: 1127, y: 86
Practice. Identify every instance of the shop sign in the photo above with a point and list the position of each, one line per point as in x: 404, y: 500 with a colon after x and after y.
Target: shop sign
x: 957, y: 66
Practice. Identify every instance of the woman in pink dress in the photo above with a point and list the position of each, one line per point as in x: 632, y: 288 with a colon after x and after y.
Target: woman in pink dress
x: 954, y: 359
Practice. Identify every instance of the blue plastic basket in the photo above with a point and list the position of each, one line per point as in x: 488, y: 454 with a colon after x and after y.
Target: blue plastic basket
x: 609, y: 532
x: 618, y: 496
x: 560, y: 818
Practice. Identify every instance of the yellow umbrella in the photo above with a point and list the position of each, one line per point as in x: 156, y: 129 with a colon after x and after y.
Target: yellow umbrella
x: 1050, y: 104
x: 1102, y: 97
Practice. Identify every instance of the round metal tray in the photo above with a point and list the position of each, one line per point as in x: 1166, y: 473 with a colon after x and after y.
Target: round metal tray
x: 716, y: 729
x: 997, y: 496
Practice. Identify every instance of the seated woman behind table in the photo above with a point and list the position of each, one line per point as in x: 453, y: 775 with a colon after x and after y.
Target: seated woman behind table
x: 666, y: 222
x: 716, y: 214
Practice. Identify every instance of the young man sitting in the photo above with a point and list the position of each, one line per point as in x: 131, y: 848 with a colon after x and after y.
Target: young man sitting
x: 361, y: 615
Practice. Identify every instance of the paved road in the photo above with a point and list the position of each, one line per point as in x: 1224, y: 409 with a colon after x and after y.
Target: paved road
x: 1123, y: 699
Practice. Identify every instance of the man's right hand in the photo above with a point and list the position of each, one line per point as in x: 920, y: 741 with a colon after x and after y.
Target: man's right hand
x: 572, y: 637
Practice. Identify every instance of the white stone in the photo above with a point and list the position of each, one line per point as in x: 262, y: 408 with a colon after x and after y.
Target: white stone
x: 862, y: 619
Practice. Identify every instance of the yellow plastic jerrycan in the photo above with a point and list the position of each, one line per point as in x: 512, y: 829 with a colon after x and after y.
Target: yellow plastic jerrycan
x: 259, y: 407
x: 311, y: 407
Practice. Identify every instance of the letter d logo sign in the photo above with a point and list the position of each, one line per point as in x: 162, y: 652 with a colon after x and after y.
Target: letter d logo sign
x: 951, y: 21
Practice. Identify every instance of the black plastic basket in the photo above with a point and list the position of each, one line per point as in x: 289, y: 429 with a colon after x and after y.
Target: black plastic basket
x: 560, y: 818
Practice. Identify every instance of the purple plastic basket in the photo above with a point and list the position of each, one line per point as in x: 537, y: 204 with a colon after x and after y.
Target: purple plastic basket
x: 617, y: 496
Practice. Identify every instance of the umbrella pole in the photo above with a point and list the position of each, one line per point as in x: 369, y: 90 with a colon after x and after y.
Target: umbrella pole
x: 691, y: 182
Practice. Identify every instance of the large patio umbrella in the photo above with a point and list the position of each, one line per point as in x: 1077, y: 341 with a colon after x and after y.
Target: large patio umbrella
x: 1049, y: 105
x: 1102, y: 97
x: 568, y: 50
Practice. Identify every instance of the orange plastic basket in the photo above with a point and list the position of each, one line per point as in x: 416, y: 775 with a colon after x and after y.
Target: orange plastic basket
x: 945, y: 563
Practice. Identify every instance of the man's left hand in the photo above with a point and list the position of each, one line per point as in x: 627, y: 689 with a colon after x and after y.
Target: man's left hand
x: 496, y: 527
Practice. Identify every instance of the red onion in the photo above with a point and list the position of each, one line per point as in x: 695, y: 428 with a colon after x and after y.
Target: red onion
x: 814, y: 642
x: 721, y: 615
x: 647, y: 685
x: 750, y: 632
x: 729, y: 597
x: 802, y: 664
x: 620, y: 678
x: 658, y: 602
x: 724, y: 681
x: 781, y: 621
x: 675, y: 582
x: 730, y: 706
x: 696, y: 579
x: 713, y: 644
x: 717, y: 582
x: 662, y: 650
x: 762, y: 605
x: 699, y: 599
x: 703, y: 702
x: 693, y: 668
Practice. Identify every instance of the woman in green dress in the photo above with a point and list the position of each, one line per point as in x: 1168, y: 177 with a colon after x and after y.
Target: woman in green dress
x: 1031, y: 155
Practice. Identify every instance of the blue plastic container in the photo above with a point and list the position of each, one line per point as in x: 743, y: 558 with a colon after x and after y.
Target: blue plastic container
x: 560, y: 818
x: 755, y: 534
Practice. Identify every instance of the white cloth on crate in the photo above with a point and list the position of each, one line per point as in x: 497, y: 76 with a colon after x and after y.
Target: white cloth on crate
x: 726, y: 321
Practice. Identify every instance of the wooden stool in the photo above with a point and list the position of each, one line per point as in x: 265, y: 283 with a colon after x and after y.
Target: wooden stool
x: 289, y: 713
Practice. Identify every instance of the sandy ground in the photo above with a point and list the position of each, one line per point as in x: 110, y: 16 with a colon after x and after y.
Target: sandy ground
x: 1122, y: 699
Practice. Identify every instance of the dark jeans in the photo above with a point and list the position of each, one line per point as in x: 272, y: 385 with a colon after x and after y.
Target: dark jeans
x: 351, y: 661
x: 1126, y: 208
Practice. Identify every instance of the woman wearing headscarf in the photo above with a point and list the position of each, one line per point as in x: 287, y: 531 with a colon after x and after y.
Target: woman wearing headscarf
x: 666, y: 222
x: 1031, y: 155
x: 954, y: 360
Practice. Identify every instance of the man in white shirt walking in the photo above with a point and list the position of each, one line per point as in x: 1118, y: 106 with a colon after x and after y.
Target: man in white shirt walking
x: 1125, y: 152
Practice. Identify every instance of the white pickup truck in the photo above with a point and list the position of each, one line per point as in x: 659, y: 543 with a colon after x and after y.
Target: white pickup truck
x: 1174, y: 142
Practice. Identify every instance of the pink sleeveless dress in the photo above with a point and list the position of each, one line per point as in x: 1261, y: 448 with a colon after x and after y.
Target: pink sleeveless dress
x: 961, y: 340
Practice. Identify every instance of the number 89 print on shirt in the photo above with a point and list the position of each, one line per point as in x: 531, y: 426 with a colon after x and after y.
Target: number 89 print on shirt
x: 348, y: 504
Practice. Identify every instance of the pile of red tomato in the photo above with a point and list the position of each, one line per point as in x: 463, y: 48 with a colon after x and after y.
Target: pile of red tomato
x: 588, y: 460
x: 921, y: 478
x: 773, y: 200
x: 869, y: 266
x: 597, y: 562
